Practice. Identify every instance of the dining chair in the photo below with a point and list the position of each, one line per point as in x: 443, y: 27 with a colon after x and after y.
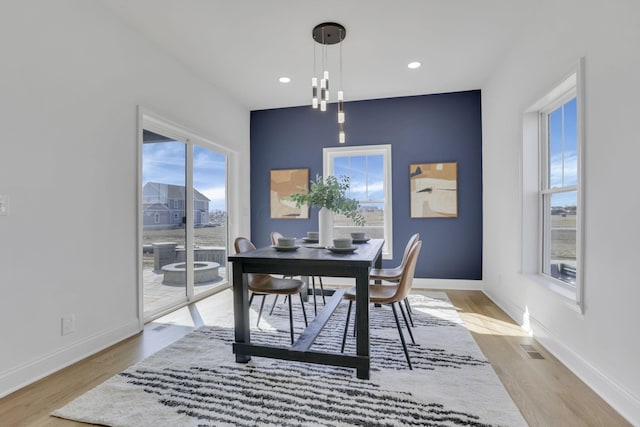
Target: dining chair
x: 275, y: 235
x: 265, y: 284
x: 391, y: 295
x: 394, y: 274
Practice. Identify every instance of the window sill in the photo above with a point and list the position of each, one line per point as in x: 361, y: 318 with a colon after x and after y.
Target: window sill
x: 561, y: 293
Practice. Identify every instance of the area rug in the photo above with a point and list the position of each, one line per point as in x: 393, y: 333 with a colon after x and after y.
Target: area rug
x: 196, y: 382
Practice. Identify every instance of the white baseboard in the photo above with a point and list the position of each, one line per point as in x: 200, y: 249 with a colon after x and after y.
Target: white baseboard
x: 448, y: 284
x: 615, y: 395
x: 29, y: 372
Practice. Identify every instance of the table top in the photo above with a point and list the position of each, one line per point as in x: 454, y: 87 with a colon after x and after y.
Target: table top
x: 365, y: 253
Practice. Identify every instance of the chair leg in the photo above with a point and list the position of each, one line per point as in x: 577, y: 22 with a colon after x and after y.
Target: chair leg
x: 346, y: 327
x: 355, y: 329
x: 304, y: 312
x: 275, y: 300
x: 404, y: 316
x: 264, y: 297
x: 291, y: 320
x: 404, y: 344
x: 409, y: 311
x: 251, y: 298
x: 324, y: 301
x: 313, y: 286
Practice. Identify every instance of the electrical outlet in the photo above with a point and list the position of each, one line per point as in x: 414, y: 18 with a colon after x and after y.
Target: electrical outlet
x: 68, y: 324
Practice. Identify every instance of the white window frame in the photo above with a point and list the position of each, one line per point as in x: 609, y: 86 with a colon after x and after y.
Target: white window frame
x: 330, y: 153
x: 534, y: 169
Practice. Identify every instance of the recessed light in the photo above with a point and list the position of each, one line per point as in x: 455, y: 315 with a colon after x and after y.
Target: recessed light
x: 284, y: 79
x: 414, y: 65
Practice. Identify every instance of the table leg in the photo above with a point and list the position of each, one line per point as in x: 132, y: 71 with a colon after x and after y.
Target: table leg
x: 241, y: 310
x: 362, y: 320
x: 378, y: 264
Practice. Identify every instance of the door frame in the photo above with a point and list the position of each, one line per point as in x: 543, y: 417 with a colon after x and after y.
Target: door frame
x: 148, y: 119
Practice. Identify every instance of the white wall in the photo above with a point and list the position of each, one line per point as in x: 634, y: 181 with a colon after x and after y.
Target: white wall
x: 601, y: 346
x: 71, y: 78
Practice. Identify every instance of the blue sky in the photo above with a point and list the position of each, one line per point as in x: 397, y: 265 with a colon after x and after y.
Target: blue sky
x: 165, y: 162
x: 563, y: 151
x: 365, y: 173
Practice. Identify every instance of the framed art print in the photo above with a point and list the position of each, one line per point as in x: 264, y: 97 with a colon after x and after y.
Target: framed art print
x: 434, y: 190
x: 285, y: 182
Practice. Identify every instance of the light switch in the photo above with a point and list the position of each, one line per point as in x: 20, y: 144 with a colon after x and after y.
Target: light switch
x: 4, y: 205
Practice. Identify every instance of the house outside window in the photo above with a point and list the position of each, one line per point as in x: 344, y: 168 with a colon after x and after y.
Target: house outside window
x: 369, y: 170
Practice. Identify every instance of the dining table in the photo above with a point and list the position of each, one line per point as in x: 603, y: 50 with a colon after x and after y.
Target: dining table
x: 308, y: 260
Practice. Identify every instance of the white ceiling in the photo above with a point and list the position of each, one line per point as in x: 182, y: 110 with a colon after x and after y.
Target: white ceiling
x: 244, y: 46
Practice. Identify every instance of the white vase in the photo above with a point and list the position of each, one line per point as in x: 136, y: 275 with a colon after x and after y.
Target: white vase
x: 325, y: 227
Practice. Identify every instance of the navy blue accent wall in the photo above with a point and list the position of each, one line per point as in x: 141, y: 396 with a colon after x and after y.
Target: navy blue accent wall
x: 421, y: 129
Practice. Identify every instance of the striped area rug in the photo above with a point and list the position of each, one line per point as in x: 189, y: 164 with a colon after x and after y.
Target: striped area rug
x: 195, y: 381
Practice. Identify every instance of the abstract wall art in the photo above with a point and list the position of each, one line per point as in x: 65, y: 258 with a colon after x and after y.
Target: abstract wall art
x: 285, y: 182
x: 434, y: 190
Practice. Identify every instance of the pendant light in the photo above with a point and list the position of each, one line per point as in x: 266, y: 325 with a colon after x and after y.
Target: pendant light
x: 326, y: 34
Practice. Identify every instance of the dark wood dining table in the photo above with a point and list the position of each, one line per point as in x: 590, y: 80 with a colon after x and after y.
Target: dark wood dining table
x: 308, y: 260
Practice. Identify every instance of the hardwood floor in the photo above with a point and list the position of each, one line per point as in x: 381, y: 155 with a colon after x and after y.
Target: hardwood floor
x: 546, y: 392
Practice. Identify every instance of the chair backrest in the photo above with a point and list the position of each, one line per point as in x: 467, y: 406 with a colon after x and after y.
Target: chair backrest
x: 407, y: 248
x: 242, y: 244
x: 275, y: 236
x: 406, y: 281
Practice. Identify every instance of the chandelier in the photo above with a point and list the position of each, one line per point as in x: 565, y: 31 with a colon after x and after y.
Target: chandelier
x: 326, y: 34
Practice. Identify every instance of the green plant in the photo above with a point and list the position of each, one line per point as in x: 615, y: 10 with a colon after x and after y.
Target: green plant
x: 330, y: 193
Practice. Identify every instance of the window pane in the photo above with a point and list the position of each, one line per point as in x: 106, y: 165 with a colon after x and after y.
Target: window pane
x: 210, y: 219
x: 563, y: 142
x: 376, y: 177
x: 163, y: 231
x: 358, y: 175
x: 374, y: 228
x: 570, y: 143
x: 341, y: 166
x: 365, y: 174
x: 561, y: 245
x: 555, y: 148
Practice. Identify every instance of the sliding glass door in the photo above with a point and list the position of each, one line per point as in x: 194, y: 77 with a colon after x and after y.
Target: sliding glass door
x: 163, y: 221
x: 184, y: 219
x: 210, y: 217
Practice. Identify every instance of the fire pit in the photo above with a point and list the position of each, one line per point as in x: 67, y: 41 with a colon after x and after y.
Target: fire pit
x: 203, y: 271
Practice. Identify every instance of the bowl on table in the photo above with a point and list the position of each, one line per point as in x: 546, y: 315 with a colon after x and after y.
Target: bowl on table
x: 286, y: 242
x: 342, y: 243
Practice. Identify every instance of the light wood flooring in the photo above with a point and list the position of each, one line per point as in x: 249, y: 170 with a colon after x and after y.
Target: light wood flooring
x: 546, y: 392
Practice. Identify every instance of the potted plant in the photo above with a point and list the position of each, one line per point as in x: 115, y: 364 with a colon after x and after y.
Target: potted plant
x: 330, y: 195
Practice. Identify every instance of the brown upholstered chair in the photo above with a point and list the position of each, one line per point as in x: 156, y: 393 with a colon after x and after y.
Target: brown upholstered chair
x: 390, y: 294
x: 275, y: 235
x: 265, y: 284
x: 393, y: 274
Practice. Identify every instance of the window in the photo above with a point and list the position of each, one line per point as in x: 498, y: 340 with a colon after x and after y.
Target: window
x: 559, y: 191
x: 369, y: 170
x: 552, y: 188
